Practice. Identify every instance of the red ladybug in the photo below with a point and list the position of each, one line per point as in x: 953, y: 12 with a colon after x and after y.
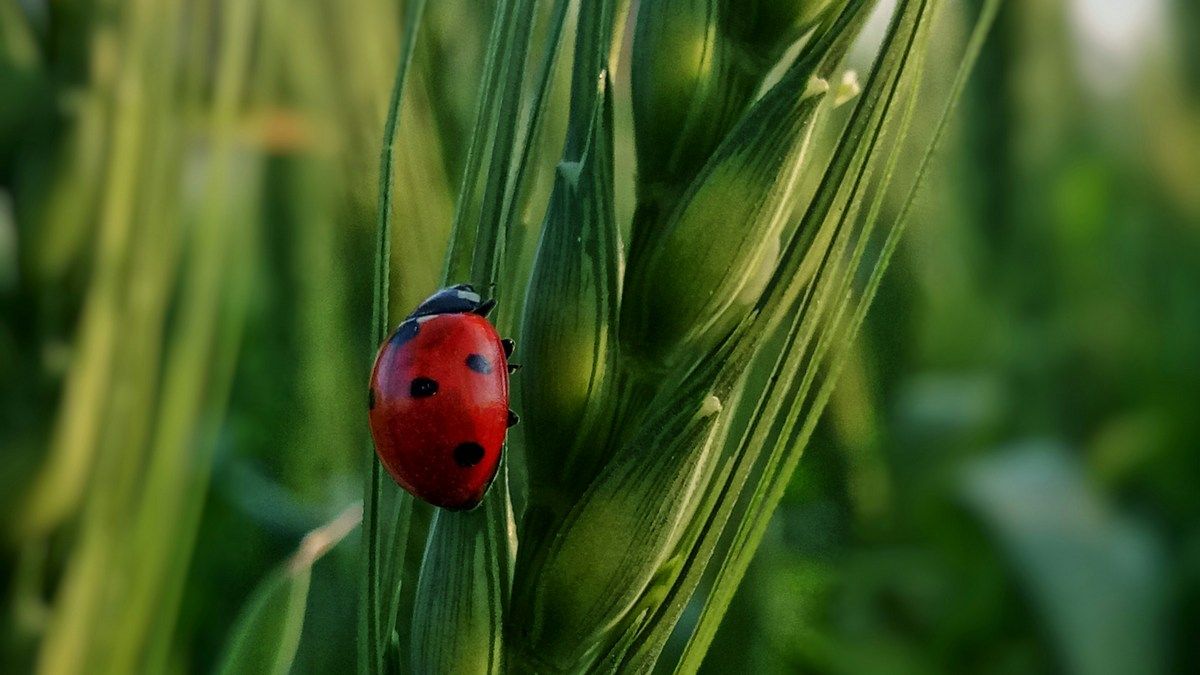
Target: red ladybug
x: 439, y: 399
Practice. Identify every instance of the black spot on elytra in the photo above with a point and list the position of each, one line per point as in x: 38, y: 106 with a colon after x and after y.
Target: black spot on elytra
x: 370, y: 398
x: 423, y: 387
x: 407, y: 331
x: 468, y: 454
x: 479, y: 364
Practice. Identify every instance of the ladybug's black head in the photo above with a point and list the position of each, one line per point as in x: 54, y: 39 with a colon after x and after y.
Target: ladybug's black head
x: 457, y: 299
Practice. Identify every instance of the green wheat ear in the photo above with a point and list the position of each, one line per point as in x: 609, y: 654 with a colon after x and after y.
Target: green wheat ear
x: 643, y: 443
x: 698, y: 274
x: 570, y: 323
x: 697, y: 65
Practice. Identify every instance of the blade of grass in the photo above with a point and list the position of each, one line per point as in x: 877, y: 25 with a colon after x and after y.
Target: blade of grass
x: 199, y: 364
x: 491, y: 232
x: 371, y: 640
x: 61, y: 481
x: 266, y: 634
x: 806, y: 358
x: 221, y: 367
x: 537, y: 109
x: 799, y: 436
x: 130, y: 288
x: 837, y: 282
x: 476, y: 240
x: 893, y: 235
x: 130, y: 418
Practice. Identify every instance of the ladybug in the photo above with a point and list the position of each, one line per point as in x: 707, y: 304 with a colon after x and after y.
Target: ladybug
x: 439, y: 399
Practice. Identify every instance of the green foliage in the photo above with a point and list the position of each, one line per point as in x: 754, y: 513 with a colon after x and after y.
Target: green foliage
x: 265, y: 636
x: 685, y: 229
x: 267, y: 631
x: 371, y: 633
x: 649, y: 483
x: 1070, y: 543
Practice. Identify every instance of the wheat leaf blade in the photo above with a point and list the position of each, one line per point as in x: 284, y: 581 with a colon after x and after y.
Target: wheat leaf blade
x: 371, y: 638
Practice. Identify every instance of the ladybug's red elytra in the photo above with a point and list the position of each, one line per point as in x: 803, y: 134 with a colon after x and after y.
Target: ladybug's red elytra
x: 439, y: 399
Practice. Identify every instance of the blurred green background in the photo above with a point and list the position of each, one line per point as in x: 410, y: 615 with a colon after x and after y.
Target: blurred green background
x: 1007, y: 479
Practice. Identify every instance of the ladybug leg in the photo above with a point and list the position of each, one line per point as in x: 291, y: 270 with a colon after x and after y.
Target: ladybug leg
x: 512, y: 418
x: 513, y: 367
x: 485, y: 307
x: 508, y: 345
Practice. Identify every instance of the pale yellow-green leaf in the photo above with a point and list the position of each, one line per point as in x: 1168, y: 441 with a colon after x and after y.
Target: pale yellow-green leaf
x: 266, y: 634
